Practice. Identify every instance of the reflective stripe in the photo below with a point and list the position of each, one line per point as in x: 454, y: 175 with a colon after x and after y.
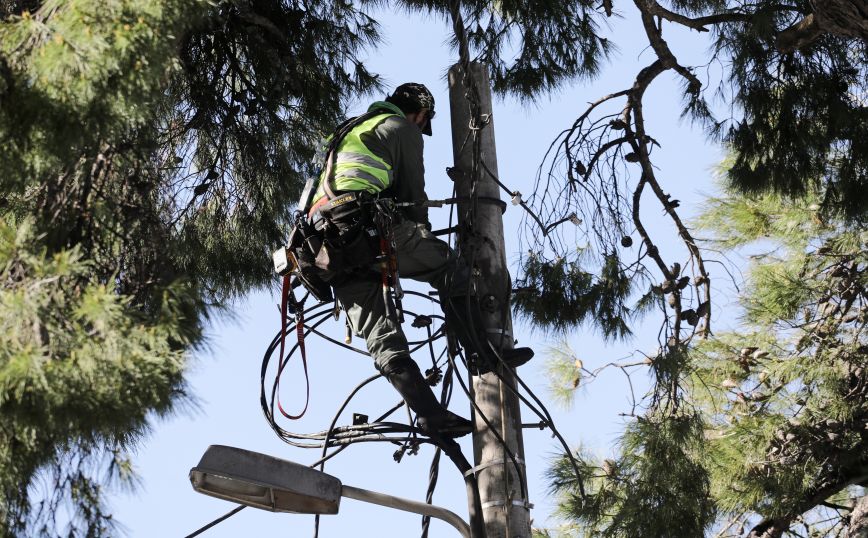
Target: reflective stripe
x: 358, y: 158
x: 356, y: 168
x: 356, y: 173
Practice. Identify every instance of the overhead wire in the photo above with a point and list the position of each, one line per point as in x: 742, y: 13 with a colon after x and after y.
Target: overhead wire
x: 343, y: 436
x: 330, y: 433
x: 217, y: 521
x: 434, y: 468
x: 268, y: 403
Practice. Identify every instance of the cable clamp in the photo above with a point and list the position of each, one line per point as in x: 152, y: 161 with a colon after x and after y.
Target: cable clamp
x: 491, y: 463
x: 521, y: 502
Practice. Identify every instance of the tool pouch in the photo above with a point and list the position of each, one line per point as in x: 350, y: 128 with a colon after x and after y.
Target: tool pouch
x: 351, y: 243
x: 348, y: 253
x: 304, y: 244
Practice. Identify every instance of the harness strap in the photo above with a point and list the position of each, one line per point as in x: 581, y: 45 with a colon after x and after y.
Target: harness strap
x: 322, y: 201
x: 286, y: 295
x: 389, y: 265
x: 384, y: 275
x: 331, y: 154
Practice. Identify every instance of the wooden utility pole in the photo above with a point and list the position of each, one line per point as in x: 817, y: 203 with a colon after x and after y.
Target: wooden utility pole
x: 502, y: 484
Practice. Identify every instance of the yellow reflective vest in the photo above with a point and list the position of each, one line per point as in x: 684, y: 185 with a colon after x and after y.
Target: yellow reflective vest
x: 355, y: 167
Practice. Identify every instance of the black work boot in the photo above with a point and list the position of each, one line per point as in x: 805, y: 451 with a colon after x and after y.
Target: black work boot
x: 483, y: 360
x: 512, y: 357
x: 432, y: 417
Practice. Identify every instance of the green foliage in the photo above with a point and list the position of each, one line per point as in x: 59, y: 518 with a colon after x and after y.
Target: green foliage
x: 262, y: 83
x: 80, y: 372
x: 558, y: 43
x: 657, y: 487
x: 78, y: 63
x: 779, y: 405
x: 784, y: 398
x: 805, y: 122
x: 530, y: 48
x: 559, y: 295
x: 564, y: 371
x: 152, y: 153
x: 155, y: 150
x: 740, y: 220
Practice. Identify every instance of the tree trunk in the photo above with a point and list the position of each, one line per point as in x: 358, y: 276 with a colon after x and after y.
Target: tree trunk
x: 859, y: 519
x: 847, y: 18
x: 844, y: 18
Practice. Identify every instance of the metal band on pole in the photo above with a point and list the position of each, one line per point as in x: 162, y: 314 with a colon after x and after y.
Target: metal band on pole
x: 488, y: 464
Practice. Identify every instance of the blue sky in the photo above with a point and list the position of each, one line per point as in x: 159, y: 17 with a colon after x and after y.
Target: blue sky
x: 226, y: 378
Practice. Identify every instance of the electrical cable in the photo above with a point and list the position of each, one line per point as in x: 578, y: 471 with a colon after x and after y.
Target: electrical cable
x: 544, y: 414
x: 217, y: 521
x: 347, y: 436
x: 361, y: 436
x: 338, y: 414
x: 481, y: 414
x: 433, y: 474
x: 545, y: 229
x: 471, y: 94
x: 323, y: 314
x: 344, y: 406
x: 434, y: 469
x: 342, y: 437
x: 343, y: 447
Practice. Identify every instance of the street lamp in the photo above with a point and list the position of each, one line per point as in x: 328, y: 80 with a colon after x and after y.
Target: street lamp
x: 277, y: 485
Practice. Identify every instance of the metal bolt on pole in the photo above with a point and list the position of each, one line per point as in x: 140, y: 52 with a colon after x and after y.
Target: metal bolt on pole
x: 505, y: 508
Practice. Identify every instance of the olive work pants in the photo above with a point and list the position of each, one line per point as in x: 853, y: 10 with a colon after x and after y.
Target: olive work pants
x: 422, y: 257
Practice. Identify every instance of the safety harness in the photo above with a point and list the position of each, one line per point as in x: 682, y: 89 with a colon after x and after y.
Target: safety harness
x: 391, y: 283
x: 288, y: 300
x: 338, y: 236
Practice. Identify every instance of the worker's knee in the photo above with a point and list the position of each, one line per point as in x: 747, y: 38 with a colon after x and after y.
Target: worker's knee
x: 393, y: 364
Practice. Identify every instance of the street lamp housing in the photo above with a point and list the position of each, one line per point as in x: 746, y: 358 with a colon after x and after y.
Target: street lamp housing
x: 262, y: 481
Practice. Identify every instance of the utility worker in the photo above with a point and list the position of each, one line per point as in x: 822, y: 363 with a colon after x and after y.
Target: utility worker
x: 382, y: 155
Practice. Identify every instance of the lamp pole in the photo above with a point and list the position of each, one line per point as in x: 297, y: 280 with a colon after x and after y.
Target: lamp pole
x: 506, y: 511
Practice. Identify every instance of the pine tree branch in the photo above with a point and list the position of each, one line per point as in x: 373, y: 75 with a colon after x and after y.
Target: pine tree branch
x: 640, y: 147
x: 844, y: 18
x: 728, y: 526
x: 600, y: 152
x: 799, y: 35
x: 653, y: 8
x: 777, y: 526
x: 661, y: 48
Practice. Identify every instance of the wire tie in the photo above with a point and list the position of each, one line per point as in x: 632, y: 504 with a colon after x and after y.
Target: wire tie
x: 490, y: 463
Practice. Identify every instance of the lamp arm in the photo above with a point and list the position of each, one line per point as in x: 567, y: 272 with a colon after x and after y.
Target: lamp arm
x: 408, y: 506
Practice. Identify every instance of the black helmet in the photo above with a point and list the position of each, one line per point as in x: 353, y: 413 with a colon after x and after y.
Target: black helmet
x: 413, y: 97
